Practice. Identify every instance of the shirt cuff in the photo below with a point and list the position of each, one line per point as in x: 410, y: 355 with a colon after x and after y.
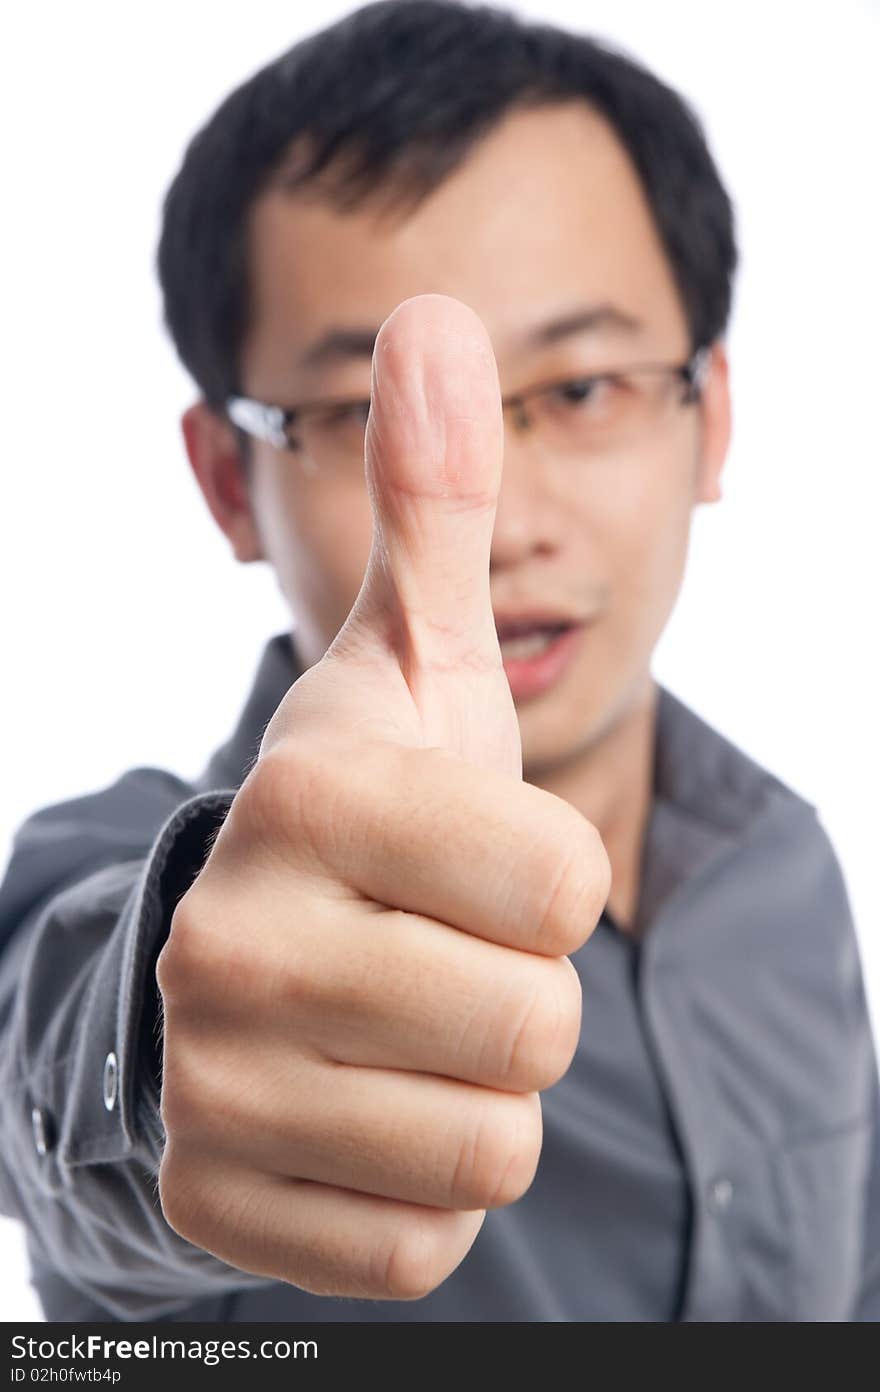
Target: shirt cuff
x: 116, y: 1076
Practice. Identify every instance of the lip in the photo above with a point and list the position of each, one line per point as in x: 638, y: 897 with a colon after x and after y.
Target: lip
x: 530, y: 677
x: 508, y: 623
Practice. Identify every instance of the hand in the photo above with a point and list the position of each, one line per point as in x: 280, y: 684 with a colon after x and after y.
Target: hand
x: 367, y: 985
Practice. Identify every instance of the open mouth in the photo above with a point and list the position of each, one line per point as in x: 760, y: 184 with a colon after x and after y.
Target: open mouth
x: 537, y: 653
x: 521, y: 642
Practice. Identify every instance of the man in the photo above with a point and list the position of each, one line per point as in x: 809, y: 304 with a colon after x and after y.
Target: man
x: 304, y: 1039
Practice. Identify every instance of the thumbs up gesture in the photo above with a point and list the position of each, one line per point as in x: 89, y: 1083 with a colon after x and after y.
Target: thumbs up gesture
x: 367, y: 987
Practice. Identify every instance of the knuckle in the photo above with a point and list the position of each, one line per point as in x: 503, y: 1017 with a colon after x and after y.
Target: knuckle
x: 176, y: 1188
x: 180, y: 1098
x: 526, y: 1036
x: 577, y: 888
x: 411, y: 1268
x: 546, y: 1035
x: 600, y: 879
x: 212, y: 1099
x: 181, y: 960
x: 290, y: 795
x: 208, y: 1209
x: 164, y: 972
x: 518, y: 1160
x: 244, y: 955
x: 563, y: 1028
x: 275, y: 791
x: 206, y: 962
x: 570, y: 995
x: 498, y: 1154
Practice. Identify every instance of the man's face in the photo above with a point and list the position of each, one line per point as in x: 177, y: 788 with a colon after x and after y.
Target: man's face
x: 546, y: 218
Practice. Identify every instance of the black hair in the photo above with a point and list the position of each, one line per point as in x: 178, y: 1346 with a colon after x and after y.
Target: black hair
x: 391, y: 99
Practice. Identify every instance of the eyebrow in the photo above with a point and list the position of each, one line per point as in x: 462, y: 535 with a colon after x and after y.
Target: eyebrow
x: 588, y: 319
x: 341, y: 344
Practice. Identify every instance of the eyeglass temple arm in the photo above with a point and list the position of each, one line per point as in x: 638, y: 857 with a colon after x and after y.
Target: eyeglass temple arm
x: 254, y: 418
x: 696, y: 371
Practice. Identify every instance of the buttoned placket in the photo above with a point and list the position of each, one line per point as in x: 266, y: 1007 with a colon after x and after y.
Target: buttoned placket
x: 710, y: 1288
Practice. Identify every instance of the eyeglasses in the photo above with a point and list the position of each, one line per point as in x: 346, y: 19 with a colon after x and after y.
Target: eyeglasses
x: 596, y: 413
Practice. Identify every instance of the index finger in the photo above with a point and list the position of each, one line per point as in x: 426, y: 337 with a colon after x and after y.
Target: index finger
x: 425, y: 831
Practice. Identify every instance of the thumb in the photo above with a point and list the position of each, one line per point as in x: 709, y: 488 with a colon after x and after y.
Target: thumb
x: 434, y: 454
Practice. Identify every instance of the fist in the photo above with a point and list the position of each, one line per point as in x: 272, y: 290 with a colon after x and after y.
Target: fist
x: 368, y: 985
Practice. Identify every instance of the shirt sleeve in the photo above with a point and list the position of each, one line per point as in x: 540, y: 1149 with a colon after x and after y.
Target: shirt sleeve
x: 868, y: 1303
x: 83, y: 924
x: 863, y: 1076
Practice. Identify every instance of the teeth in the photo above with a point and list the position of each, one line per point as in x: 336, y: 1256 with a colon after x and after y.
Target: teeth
x: 529, y: 644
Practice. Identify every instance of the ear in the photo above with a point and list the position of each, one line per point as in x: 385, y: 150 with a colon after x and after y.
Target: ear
x: 215, y: 458
x: 715, y: 426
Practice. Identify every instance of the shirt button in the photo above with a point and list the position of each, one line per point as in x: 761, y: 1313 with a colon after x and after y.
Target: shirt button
x: 42, y: 1129
x: 111, y: 1081
x: 719, y: 1194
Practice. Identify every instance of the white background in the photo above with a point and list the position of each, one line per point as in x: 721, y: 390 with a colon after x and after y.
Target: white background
x: 130, y: 635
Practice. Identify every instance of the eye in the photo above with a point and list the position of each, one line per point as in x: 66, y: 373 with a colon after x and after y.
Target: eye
x: 348, y: 415
x: 582, y: 390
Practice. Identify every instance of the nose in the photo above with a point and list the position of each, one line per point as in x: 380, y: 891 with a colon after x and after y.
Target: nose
x: 531, y: 516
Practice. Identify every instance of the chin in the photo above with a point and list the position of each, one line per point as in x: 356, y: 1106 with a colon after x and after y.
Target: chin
x: 554, y: 733
x: 563, y: 726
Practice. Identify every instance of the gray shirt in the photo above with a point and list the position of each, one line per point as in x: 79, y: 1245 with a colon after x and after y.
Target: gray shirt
x: 713, y: 1153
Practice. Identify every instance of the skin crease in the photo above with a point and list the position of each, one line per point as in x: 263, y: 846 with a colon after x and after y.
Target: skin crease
x: 545, y: 215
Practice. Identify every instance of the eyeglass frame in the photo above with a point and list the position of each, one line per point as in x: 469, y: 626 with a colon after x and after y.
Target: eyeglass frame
x: 270, y: 424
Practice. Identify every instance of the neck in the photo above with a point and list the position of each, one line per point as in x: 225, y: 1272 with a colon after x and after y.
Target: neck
x: 611, y: 783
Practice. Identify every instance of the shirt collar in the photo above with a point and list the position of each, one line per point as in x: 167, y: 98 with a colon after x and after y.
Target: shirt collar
x: 706, y: 795
x: 279, y: 667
